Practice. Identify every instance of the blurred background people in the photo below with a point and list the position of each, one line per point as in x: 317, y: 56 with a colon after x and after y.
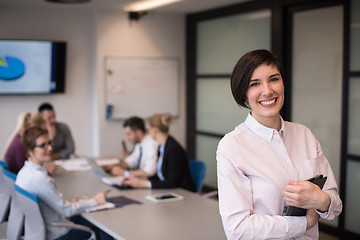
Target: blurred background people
x: 172, y: 165
x: 15, y: 154
x: 59, y: 133
x: 141, y: 162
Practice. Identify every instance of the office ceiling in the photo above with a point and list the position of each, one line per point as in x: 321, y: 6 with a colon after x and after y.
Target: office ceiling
x: 185, y: 6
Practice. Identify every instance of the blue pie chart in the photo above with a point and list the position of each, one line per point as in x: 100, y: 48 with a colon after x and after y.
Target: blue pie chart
x: 11, y: 68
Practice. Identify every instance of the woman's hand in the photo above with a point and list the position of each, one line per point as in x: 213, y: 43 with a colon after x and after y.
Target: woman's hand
x: 51, y: 167
x: 305, y: 194
x: 136, y: 182
x: 100, y: 198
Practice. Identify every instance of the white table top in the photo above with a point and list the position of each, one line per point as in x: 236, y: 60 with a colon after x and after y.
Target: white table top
x: 194, y: 217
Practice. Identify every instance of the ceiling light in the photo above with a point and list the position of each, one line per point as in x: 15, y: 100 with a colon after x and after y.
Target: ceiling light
x: 68, y: 1
x: 147, y: 4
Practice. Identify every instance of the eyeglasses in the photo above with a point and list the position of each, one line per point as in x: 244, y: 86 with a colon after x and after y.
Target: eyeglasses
x: 43, y: 145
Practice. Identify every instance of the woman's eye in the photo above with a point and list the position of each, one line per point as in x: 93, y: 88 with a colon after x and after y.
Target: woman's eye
x: 254, y: 84
x: 274, y: 79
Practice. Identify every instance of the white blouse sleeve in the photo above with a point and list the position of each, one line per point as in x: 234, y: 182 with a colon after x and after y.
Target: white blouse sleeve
x: 53, y: 198
x: 329, y: 188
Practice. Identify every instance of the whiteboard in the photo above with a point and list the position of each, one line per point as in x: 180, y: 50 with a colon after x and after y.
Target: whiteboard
x: 141, y: 87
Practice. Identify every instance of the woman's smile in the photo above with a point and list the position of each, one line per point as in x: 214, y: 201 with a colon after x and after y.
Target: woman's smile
x: 268, y: 102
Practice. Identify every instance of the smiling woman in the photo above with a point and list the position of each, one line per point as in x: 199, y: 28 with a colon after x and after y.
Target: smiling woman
x: 263, y: 89
x: 265, y: 95
x: 34, y: 178
x: 260, y: 163
x: 37, y: 144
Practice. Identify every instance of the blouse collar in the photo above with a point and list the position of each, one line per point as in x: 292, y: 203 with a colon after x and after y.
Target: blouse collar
x: 261, y: 130
x: 36, y: 166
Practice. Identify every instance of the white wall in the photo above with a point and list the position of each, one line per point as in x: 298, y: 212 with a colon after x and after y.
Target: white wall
x: 154, y: 35
x: 90, y: 35
x: 76, y: 27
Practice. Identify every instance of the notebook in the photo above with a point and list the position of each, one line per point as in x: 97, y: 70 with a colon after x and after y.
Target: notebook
x: 113, y: 202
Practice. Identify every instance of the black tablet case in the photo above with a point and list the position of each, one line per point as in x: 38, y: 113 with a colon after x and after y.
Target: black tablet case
x: 295, y: 211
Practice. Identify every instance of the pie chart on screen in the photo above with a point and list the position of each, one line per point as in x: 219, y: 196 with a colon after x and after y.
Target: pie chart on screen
x: 11, y: 68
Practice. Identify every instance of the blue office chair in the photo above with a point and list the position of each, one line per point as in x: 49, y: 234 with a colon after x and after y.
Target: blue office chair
x: 4, y: 202
x: 34, y: 223
x: 4, y: 164
x: 35, y: 228
x: 15, y: 224
x: 197, y: 172
x: 4, y: 195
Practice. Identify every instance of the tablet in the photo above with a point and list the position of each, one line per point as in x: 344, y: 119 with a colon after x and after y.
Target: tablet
x: 295, y: 211
x: 164, y: 197
x: 318, y: 180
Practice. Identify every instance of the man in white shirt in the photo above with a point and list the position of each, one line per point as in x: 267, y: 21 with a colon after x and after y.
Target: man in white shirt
x: 141, y: 162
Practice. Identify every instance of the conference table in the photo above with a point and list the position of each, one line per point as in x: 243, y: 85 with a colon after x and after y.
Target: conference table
x: 193, y: 218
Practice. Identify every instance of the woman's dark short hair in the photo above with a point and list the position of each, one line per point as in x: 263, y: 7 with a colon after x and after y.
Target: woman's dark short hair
x: 244, y: 69
x: 28, y: 139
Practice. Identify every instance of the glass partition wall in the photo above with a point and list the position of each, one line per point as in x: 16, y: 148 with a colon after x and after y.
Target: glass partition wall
x: 316, y: 78
x: 319, y: 42
x: 352, y: 160
x: 220, y: 43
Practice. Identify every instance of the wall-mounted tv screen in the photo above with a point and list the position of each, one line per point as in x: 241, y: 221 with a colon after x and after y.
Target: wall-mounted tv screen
x: 32, y: 67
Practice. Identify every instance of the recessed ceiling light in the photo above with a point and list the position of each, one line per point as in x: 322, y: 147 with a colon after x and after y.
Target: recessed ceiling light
x: 147, y: 4
x: 68, y: 1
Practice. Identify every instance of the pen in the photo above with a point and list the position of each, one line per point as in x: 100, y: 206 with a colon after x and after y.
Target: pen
x: 107, y: 191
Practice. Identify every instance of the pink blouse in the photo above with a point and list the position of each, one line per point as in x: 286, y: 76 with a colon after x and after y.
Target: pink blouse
x: 254, y: 164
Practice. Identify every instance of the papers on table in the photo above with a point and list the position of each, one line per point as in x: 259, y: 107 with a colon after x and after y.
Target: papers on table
x: 106, y: 205
x: 113, y: 180
x: 102, y: 162
x: 75, y: 164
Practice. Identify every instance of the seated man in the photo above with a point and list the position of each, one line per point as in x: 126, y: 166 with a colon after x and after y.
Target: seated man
x: 59, y: 133
x: 141, y: 162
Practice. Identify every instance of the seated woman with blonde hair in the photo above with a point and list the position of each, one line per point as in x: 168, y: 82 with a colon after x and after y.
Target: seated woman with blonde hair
x: 172, y: 166
x: 15, y: 154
